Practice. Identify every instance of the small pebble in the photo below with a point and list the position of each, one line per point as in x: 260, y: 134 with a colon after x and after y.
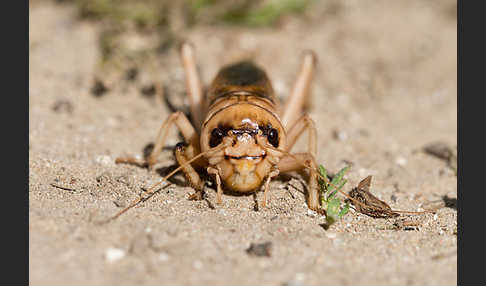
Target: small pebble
x: 299, y: 276
x: 331, y: 235
x: 293, y: 283
x: 197, y: 264
x: 164, y: 257
x: 114, y: 254
x: 104, y: 160
x: 401, y: 161
x: 221, y: 212
x: 112, y: 122
x: 340, y: 135
x: 311, y: 213
x: 337, y: 242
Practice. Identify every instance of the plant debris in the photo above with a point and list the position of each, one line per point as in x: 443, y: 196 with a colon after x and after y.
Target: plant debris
x: 260, y: 249
x: 62, y: 188
x: 370, y: 205
x: 99, y: 88
x: 331, y: 204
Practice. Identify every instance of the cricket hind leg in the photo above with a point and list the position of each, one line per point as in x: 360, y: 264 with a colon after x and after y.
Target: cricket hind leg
x: 194, y: 86
x: 299, y: 96
x: 188, y: 129
x: 295, y: 163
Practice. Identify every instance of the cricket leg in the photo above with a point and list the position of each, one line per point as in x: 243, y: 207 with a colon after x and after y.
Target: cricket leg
x: 184, y: 126
x: 271, y: 175
x: 300, y: 91
x: 193, y: 83
x: 214, y: 171
x: 296, y: 163
x: 299, y: 127
x: 290, y: 163
x: 183, y: 151
x: 183, y: 154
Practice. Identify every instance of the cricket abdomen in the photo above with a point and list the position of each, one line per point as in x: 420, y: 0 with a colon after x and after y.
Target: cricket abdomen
x: 243, y: 76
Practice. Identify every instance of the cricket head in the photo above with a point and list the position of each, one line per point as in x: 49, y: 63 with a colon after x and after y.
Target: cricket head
x: 243, y: 134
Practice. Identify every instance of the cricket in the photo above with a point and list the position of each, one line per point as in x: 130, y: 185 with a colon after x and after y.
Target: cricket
x: 239, y: 132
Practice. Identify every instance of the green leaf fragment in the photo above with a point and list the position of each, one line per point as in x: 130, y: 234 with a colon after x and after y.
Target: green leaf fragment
x: 330, y: 202
x: 339, y: 176
x: 323, y: 171
x: 344, y: 210
x: 333, y: 206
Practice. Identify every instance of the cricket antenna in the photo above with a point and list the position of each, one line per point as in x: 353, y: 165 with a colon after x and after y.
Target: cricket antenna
x: 153, y: 189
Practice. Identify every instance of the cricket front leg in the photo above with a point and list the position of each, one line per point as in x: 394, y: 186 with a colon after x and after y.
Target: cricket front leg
x: 266, y: 191
x: 219, y: 193
x: 183, y: 154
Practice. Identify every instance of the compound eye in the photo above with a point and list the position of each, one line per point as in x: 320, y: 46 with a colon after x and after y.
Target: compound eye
x: 216, y: 137
x: 272, y: 137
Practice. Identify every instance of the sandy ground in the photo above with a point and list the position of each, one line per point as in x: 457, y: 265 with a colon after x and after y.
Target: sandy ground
x: 385, y: 88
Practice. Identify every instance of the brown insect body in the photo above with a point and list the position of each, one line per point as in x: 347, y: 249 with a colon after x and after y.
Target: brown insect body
x: 243, y: 116
x: 239, y: 133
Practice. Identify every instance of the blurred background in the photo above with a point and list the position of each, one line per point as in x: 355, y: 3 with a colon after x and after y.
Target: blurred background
x: 367, y: 45
x: 385, y: 90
